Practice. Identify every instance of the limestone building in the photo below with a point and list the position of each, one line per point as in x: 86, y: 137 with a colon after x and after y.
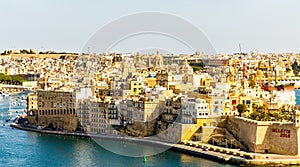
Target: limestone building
x: 55, y: 110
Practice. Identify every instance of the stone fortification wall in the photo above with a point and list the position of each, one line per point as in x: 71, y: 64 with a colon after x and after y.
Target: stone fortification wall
x: 259, y: 136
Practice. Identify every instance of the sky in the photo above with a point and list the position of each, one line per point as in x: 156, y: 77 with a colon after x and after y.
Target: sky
x: 61, y: 25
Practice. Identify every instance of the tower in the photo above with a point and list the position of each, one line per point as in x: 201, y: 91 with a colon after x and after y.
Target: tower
x: 158, y: 59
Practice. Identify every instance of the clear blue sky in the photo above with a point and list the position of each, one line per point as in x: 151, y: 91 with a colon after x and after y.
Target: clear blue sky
x: 61, y: 25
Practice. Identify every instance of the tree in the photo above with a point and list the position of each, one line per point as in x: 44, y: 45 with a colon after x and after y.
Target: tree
x: 11, y: 79
x: 241, y: 109
x: 261, y: 109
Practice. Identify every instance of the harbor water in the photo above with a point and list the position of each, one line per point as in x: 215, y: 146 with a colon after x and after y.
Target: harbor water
x: 23, y: 148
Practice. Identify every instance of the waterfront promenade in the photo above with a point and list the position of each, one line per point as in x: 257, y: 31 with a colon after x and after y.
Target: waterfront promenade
x: 215, y: 153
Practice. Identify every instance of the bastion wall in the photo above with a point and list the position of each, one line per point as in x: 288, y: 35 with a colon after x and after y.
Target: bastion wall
x: 265, y: 137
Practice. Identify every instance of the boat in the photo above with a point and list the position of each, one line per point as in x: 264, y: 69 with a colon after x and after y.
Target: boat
x: 9, y: 113
x: 26, y: 91
x: 4, y: 94
x: 24, y: 98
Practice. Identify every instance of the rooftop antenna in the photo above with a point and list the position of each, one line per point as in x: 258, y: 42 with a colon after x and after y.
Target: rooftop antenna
x: 89, y: 50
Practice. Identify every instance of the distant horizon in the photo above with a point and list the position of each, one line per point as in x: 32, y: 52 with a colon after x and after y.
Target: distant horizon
x: 268, y: 26
x: 67, y: 52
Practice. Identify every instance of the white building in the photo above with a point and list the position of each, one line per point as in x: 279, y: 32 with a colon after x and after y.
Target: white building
x: 192, y: 108
x: 202, y: 109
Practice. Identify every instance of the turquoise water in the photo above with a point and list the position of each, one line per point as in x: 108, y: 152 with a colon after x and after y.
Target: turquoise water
x: 22, y: 148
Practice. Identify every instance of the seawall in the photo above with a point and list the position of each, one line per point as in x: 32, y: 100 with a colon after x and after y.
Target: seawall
x: 206, y: 151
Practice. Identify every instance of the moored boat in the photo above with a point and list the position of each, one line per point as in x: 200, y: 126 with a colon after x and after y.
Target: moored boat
x: 4, y: 94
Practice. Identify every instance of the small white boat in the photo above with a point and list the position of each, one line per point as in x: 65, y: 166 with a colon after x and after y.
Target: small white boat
x: 5, y: 94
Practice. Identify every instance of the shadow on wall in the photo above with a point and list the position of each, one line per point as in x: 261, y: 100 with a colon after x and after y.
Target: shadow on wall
x: 265, y: 137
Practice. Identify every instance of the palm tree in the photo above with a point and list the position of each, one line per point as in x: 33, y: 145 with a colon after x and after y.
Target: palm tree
x: 241, y: 109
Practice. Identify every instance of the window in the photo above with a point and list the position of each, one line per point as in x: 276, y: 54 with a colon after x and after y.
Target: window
x: 233, y: 102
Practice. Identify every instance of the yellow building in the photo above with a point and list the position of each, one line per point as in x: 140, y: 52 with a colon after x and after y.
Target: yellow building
x: 230, y: 104
x: 205, y: 81
x: 162, y: 79
x: 136, y: 86
x: 150, y: 82
x: 149, y: 108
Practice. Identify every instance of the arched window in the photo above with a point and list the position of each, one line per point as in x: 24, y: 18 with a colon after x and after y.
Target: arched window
x: 31, y: 112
